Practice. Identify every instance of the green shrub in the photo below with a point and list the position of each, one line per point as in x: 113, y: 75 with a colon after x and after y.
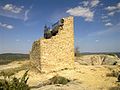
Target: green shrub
x: 112, y: 74
x: 14, y: 84
x: 59, y: 80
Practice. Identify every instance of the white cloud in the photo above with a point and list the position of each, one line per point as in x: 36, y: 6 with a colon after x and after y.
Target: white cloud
x: 85, y: 3
x: 82, y: 12
x: 97, y: 40
x: 106, y: 20
x: 110, y: 8
x: 15, y: 12
x: 90, y: 3
x: 118, y: 5
x: 85, y: 9
x: 12, y: 8
x: 111, y: 13
x: 104, y: 17
x: 115, y: 28
x: 26, y: 14
x: 6, y: 26
x: 11, y: 15
x: 101, y: 4
x: 108, y: 24
x: 94, y: 3
x: 9, y: 26
x: 17, y: 40
x: 113, y: 9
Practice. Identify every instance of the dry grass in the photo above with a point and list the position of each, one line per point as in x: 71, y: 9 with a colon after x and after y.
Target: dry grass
x: 11, y: 71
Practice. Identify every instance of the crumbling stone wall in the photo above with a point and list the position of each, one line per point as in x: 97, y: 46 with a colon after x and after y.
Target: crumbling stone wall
x: 57, y: 52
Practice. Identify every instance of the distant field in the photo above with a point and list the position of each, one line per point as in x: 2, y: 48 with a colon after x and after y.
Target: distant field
x: 9, y: 57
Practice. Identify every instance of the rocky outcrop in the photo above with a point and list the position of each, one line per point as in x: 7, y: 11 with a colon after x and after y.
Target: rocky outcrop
x: 100, y: 59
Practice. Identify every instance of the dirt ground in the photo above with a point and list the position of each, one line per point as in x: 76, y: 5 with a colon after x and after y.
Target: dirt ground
x: 83, y: 77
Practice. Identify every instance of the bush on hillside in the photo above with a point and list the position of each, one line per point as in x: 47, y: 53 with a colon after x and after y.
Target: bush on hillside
x: 59, y: 80
x: 14, y: 84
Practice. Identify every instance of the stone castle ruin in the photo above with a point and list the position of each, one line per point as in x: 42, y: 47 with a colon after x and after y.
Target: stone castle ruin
x: 56, y: 50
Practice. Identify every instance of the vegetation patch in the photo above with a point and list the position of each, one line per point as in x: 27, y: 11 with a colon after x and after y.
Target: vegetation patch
x: 59, y: 80
x: 11, y: 71
x: 9, y: 83
x: 113, y: 74
x: 56, y: 80
x: 9, y: 57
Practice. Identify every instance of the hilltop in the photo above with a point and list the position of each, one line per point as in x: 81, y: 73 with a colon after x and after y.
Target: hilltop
x: 84, y: 76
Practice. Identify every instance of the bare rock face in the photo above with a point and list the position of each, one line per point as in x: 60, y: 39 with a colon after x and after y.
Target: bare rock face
x: 57, y: 52
x: 100, y: 59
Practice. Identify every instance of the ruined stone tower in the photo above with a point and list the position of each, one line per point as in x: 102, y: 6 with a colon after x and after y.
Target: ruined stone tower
x: 57, y: 52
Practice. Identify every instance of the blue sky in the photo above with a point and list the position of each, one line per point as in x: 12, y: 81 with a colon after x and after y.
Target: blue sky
x: 96, y: 23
